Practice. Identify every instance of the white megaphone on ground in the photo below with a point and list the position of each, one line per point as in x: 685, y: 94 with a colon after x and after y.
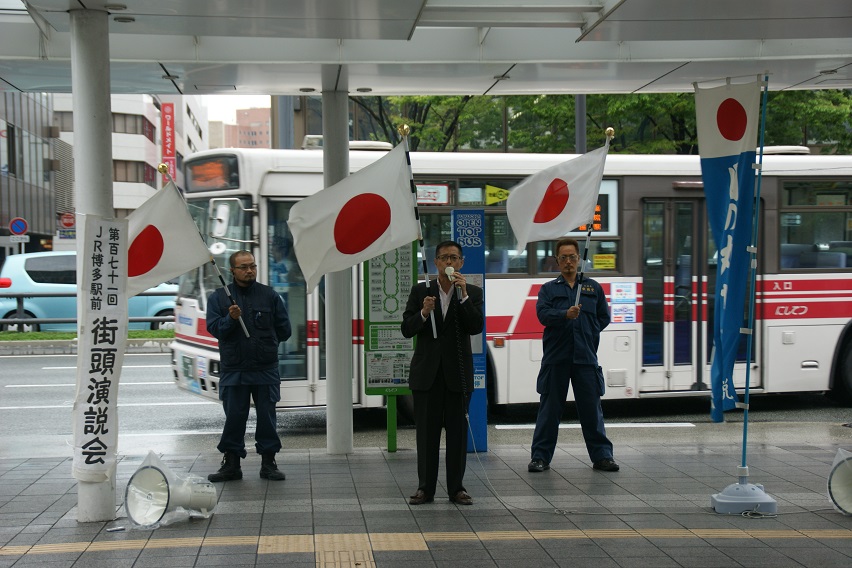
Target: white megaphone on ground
x: 840, y: 482
x: 156, y: 496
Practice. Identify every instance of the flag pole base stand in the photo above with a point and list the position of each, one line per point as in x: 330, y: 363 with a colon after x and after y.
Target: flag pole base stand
x: 742, y: 497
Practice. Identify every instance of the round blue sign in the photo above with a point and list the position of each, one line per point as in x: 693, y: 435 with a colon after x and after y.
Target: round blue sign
x: 18, y: 226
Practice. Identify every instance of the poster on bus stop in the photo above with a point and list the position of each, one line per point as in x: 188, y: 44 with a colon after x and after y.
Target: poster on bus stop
x: 388, y: 279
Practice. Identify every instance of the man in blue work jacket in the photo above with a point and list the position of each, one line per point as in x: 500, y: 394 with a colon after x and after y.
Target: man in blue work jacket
x: 570, y: 344
x: 249, y: 366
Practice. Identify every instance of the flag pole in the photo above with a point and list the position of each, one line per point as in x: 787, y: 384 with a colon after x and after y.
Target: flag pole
x: 164, y: 169
x: 610, y: 134
x: 404, y: 130
x: 744, y: 497
x: 753, y: 274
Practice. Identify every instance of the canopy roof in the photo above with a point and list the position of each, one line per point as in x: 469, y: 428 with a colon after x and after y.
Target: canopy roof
x: 473, y: 47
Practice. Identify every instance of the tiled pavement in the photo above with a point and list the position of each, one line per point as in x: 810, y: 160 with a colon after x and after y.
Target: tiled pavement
x: 353, y: 511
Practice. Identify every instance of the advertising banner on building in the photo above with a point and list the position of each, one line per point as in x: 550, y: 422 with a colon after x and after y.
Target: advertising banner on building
x: 167, y: 127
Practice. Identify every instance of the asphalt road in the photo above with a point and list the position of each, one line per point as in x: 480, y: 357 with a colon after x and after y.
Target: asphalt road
x: 36, y: 393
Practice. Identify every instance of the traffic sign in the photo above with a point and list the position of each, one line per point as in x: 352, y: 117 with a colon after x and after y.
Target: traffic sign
x: 19, y: 238
x: 18, y: 226
x: 67, y: 220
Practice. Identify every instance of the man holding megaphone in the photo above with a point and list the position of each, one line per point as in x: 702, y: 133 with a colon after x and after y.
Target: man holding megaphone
x: 441, y: 374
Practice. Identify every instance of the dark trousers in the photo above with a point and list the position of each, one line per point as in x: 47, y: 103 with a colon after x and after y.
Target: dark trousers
x: 236, y: 401
x: 435, y: 409
x: 553, y: 382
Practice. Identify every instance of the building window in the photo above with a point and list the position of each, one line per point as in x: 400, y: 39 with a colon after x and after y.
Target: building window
x: 64, y: 120
x: 11, y: 150
x: 134, y: 172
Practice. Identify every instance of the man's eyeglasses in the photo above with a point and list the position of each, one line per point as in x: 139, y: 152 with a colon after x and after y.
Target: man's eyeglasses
x: 450, y: 257
x: 571, y: 257
x: 245, y: 267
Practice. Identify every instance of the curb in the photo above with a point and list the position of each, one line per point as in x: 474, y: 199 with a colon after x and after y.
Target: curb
x: 69, y: 347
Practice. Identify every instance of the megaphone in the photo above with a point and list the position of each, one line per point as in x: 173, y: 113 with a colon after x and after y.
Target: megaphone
x: 840, y: 483
x: 152, y: 493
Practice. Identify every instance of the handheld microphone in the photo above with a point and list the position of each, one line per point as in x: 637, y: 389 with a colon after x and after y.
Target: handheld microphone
x: 450, y: 272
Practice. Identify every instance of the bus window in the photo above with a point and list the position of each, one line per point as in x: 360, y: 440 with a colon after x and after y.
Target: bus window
x: 816, y: 225
x: 602, y: 257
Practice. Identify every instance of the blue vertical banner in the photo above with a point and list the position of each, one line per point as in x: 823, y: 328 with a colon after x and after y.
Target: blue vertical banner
x: 728, y: 123
x: 468, y: 229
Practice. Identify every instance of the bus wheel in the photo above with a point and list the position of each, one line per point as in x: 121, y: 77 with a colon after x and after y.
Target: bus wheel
x: 843, y: 384
x: 494, y: 409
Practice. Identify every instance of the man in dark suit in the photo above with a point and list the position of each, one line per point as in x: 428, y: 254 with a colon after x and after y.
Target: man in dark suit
x: 441, y: 376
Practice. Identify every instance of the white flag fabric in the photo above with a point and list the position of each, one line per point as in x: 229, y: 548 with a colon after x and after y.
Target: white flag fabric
x: 164, y: 241
x: 556, y: 201
x: 364, y: 215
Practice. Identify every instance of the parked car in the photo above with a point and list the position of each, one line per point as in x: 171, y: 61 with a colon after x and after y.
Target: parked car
x: 56, y: 272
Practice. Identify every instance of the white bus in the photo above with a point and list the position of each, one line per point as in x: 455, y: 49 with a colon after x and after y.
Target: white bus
x: 651, y: 250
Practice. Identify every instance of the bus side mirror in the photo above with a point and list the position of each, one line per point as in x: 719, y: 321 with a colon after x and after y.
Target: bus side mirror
x: 219, y: 220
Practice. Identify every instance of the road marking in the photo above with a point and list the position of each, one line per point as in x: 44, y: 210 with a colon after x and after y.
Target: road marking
x: 608, y: 425
x: 333, y: 545
x: 72, y: 384
x: 120, y: 405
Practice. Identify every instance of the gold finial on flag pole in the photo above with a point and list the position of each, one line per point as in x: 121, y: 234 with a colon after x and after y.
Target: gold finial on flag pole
x: 404, y: 130
x: 610, y: 132
x: 164, y: 169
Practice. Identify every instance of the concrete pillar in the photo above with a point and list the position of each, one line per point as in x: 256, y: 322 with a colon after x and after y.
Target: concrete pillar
x: 338, y: 285
x: 90, y: 86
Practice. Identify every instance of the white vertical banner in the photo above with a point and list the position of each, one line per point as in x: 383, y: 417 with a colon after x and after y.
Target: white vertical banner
x: 101, y: 341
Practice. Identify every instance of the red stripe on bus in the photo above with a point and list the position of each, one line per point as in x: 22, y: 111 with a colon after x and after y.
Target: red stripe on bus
x: 312, y: 332
x: 201, y: 328
x: 497, y: 324
x: 192, y: 339
x: 807, y: 310
x: 780, y: 284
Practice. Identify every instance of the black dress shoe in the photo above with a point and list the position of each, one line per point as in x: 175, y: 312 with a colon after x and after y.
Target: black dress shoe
x: 420, y: 497
x: 537, y: 466
x: 462, y: 498
x: 606, y: 464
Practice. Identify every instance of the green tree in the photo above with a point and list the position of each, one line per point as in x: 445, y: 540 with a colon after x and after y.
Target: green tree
x: 661, y: 123
x: 810, y: 118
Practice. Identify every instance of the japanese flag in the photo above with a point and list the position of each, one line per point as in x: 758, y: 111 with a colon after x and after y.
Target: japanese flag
x: 555, y: 201
x: 364, y: 215
x: 164, y: 241
x: 727, y: 119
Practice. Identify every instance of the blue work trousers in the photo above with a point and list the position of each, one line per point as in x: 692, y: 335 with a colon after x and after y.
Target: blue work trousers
x: 236, y: 401
x: 553, y: 382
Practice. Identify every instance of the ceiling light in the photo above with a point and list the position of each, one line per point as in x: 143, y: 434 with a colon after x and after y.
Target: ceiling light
x: 170, y: 77
x: 115, y: 7
x: 501, y: 77
x: 307, y: 90
x: 828, y: 72
x: 124, y: 19
x: 364, y: 90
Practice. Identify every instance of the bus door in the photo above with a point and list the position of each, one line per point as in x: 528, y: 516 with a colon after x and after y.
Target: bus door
x: 673, y: 278
x: 298, y: 357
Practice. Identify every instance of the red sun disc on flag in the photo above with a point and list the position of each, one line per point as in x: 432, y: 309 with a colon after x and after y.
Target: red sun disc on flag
x: 361, y: 221
x: 145, y: 251
x: 553, y: 202
x: 732, y: 120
